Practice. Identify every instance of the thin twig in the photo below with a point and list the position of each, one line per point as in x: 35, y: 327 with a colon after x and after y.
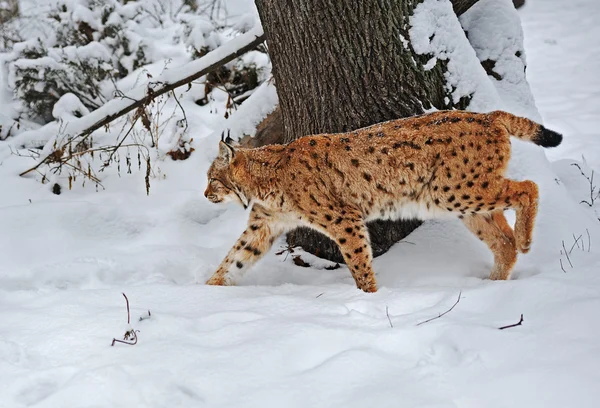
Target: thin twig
x: 319, y: 295
x: 182, y: 110
x: 388, y: 316
x: 567, y: 254
x: 592, y: 186
x: 561, y: 266
x: 589, y: 239
x: 575, y: 243
x: 127, y: 302
x: 442, y: 314
x: 118, y: 146
x: 513, y: 325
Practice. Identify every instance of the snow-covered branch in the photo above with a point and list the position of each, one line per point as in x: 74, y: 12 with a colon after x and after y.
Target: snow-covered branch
x: 83, y: 127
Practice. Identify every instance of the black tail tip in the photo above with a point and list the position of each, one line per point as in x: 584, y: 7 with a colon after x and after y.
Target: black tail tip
x: 547, y: 138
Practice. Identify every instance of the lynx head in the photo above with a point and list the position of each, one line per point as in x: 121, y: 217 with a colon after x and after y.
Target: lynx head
x: 221, y: 185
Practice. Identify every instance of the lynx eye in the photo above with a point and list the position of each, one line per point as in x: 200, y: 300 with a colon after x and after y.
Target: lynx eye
x: 211, y: 180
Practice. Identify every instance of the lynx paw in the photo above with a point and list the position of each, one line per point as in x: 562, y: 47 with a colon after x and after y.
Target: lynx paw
x: 217, y: 281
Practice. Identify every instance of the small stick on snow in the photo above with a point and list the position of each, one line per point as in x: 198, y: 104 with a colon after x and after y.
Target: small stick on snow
x: 127, y: 302
x: 128, y: 334
x: 513, y: 325
x: 319, y: 295
x: 446, y: 312
x: 567, y: 254
x: 387, y: 312
x: 561, y: 266
x: 589, y: 239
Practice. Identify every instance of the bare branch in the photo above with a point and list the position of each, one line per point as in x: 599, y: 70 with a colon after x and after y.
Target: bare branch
x: 512, y: 325
x: 442, y: 314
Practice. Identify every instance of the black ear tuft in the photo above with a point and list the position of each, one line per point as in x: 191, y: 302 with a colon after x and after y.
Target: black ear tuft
x: 228, y: 139
x: 225, y: 151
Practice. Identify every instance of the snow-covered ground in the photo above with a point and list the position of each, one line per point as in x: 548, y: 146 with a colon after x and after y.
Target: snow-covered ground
x: 306, y: 337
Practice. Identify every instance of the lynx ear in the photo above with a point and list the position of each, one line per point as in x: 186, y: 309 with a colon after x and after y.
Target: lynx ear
x: 225, y: 151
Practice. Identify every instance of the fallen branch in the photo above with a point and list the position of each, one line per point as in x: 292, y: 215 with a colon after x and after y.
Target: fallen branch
x: 442, y: 314
x: 513, y: 325
x: 167, y: 82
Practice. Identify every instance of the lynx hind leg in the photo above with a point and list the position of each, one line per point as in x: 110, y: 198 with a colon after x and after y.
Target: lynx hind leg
x: 523, y: 197
x: 500, y: 220
x: 490, y: 231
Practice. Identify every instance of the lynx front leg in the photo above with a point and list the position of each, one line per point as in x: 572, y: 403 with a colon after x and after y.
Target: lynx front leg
x: 254, y: 242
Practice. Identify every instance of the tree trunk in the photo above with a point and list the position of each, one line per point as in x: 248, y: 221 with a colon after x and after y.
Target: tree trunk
x: 336, y: 74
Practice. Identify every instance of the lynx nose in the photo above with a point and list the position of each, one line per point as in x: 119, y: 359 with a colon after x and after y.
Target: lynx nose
x: 210, y: 196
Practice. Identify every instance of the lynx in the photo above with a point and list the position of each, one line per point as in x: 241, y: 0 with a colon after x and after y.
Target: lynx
x: 440, y: 165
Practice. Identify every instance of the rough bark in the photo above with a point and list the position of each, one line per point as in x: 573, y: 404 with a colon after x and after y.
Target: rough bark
x: 336, y: 74
x: 269, y: 131
x: 460, y: 6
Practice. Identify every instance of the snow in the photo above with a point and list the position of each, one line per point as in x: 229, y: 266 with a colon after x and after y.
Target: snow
x: 434, y: 30
x: 245, y: 119
x: 297, y: 337
x: 569, y: 103
x: 495, y: 33
x: 67, y: 106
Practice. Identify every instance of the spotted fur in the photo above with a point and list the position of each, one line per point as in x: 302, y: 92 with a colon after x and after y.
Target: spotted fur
x: 441, y: 165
